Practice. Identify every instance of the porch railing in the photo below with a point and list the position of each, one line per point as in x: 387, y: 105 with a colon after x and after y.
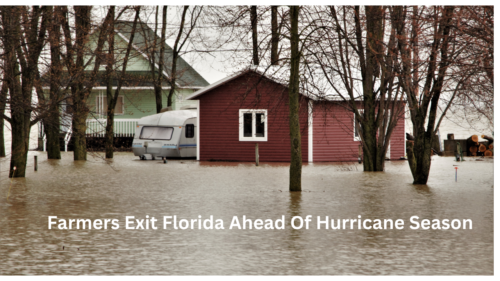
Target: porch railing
x: 96, y: 128
x: 121, y: 127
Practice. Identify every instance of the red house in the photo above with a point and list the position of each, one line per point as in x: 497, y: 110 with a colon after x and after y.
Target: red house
x: 247, y: 107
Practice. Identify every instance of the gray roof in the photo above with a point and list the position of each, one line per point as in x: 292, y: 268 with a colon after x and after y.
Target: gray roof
x: 144, y: 38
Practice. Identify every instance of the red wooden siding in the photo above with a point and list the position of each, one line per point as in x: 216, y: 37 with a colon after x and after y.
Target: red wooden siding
x: 398, y: 138
x: 333, y: 135
x: 219, y: 121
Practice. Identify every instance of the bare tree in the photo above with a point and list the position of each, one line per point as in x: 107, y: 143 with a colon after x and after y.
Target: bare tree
x: 433, y: 25
x: 113, y: 98
x: 80, y: 83
x: 351, y: 56
x: 23, y: 39
x: 180, y: 41
x: 295, y: 140
x: 151, y: 51
x: 52, y: 120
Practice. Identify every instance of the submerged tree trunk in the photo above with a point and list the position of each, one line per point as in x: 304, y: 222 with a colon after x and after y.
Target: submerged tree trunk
x: 422, y: 154
x: 112, y: 99
x: 110, y: 116
x: 52, y: 120
x: 80, y: 110
x: 373, y: 159
x: 3, y: 100
x: 21, y: 59
x: 293, y: 94
x: 424, y: 106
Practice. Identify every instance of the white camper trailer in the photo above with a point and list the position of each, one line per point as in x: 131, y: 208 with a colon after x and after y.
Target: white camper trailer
x: 167, y: 134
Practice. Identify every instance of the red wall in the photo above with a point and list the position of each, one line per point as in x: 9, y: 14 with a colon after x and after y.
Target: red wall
x: 398, y: 139
x: 219, y: 121
x: 333, y: 136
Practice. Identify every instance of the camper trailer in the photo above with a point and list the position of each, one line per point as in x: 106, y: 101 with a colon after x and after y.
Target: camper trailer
x: 167, y: 134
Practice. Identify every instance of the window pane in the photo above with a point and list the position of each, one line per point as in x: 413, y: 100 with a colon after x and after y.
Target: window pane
x: 247, y: 124
x: 260, y: 125
x: 156, y: 133
x: 119, y: 106
x: 189, y: 131
x: 102, y: 105
x: 357, y: 125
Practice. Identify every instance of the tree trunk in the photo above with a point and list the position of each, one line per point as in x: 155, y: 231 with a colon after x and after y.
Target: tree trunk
x: 158, y: 97
x: 422, y: 153
x: 51, y: 127
x: 3, y: 100
x: 274, y: 35
x: 19, y: 60
x: 158, y: 82
x: 436, y: 69
x: 52, y: 121
x: 412, y: 162
x: 255, y: 43
x: 112, y: 99
x: 293, y: 94
x: 80, y: 110
x: 79, y: 128
x: 374, y: 157
x: 110, y: 138
x: 20, y: 141
x: 2, y: 139
x: 110, y: 119
x: 110, y: 112
x: 175, y: 55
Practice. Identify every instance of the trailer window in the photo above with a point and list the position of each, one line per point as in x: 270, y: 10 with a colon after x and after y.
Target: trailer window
x: 189, y: 131
x: 253, y: 125
x: 157, y: 133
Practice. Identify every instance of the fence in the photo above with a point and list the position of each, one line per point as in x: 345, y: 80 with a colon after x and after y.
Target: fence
x: 95, y: 128
x: 121, y: 127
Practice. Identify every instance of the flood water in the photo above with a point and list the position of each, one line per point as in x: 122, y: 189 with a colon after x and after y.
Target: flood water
x: 187, y: 188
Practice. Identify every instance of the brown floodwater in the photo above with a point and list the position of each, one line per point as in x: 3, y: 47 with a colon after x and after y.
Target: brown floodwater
x: 188, y: 189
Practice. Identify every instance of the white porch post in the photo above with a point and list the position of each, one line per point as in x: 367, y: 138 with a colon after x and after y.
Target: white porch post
x: 198, y: 132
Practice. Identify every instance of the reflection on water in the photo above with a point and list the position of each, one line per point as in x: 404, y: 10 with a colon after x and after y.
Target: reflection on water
x: 188, y: 189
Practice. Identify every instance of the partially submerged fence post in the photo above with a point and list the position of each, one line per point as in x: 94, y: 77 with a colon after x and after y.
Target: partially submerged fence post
x: 257, y: 154
x: 359, y: 154
x: 36, y: 163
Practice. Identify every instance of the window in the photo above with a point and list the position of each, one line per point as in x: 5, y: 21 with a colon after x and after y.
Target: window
x: 357, y: 126
x: 189, y: 131
x: 157, y: 133
x: 102, y: 105
x: 253, y: 124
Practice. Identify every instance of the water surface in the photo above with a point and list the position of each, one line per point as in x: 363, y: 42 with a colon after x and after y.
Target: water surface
x: 126, y: 186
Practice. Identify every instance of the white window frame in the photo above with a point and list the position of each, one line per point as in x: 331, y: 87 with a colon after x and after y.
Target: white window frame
x: 103, y: 111
x: 356, y: 138
x: 253, y: 137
